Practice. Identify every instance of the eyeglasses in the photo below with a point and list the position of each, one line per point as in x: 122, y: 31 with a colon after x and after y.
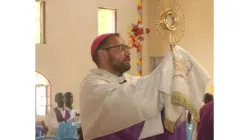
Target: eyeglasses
x: 122, y: 47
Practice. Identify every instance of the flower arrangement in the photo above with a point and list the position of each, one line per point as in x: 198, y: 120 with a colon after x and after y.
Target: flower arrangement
x: 136, y: 32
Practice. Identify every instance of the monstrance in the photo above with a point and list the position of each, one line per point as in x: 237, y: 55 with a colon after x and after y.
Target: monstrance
x: 170, y: 21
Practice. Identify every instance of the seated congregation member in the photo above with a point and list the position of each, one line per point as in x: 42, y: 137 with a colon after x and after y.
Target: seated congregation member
x: 40, y: 131
x: 74, y: 116
x: 206, y: 127
x: 44, y: 127
x: 56, y: 115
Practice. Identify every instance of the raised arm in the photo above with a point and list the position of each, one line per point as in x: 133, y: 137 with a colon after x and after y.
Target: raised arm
x: 122, y: 105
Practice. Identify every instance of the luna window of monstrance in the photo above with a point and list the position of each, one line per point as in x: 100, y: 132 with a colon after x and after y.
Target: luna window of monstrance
x: 170, y: 21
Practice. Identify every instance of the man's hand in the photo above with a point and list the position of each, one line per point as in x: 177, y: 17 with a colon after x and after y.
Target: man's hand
x: 77, y: 114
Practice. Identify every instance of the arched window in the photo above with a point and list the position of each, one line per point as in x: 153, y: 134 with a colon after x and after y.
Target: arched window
x: 43, y: 95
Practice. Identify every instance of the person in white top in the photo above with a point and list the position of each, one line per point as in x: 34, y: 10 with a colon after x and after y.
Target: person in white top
x: 68, y: 96
x: 75, y: 116
x: 56, y: 115
x: 118, y: 106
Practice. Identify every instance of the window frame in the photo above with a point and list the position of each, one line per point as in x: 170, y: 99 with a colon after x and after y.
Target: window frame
x: 48, y: 95
x: 42, y: 21
x: 115, y: 11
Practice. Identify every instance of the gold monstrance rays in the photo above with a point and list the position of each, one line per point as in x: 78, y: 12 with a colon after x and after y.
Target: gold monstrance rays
x: 170, y: 21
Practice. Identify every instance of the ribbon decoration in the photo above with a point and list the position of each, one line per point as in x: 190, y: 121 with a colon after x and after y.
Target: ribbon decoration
x: 136, y: 38
x: 139, y: 50
x: 136, y: 32
x: 139, y: 11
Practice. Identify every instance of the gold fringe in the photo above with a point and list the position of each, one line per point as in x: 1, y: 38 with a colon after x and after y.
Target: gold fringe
x: 169, y: 125
x: 180, y: 99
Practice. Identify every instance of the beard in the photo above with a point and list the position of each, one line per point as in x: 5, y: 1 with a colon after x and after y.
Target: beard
x: 119, y: 65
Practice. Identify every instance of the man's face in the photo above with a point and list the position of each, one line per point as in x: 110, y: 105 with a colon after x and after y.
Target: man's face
x: 69, y: 99
x: 60, y: 100
x: 118, y: 58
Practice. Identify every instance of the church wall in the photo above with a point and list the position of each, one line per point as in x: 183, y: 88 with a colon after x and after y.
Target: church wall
x: 71, y: 26
x: 198, y: 38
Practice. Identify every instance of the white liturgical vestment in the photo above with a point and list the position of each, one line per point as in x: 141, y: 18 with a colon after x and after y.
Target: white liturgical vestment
x: 73, y: 117
x: 177, y: 84
x: 51, y: 121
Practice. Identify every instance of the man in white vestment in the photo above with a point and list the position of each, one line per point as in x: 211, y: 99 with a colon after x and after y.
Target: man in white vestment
x: 118, y: 106
x: 56, y: 115
x: 74, y: 116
